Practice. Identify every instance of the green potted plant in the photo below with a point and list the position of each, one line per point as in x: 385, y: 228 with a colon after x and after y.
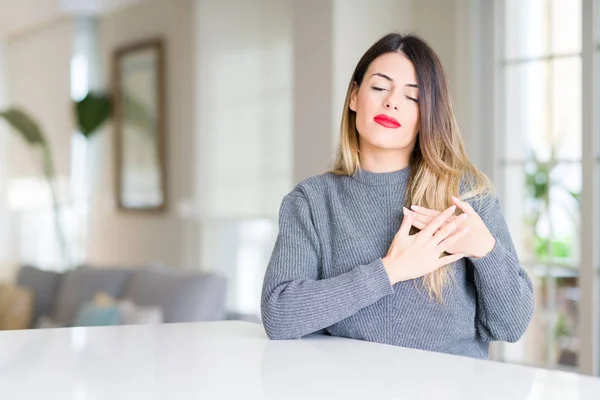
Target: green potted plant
x: 90, y: 113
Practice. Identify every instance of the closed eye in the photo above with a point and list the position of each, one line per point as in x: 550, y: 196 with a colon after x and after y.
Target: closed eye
x: 380, y: 89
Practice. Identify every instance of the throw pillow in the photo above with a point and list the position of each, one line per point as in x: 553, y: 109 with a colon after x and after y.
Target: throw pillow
x: 16, y: 307
x: 132, y: 314
x: 90, y: 314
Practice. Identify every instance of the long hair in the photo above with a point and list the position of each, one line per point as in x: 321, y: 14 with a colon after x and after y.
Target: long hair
x: 439, y: 165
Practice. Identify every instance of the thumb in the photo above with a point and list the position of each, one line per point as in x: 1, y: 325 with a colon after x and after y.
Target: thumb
x: 406, y: 223
x: 464, y: 206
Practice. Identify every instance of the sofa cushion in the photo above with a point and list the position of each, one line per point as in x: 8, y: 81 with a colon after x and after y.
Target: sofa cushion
x: 46, y: 322
x: 183, y: 296
x: 43, y: 285
x: 82, y: 284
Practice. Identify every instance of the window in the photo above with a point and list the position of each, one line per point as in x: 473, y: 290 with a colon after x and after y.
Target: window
x: 540, y: 68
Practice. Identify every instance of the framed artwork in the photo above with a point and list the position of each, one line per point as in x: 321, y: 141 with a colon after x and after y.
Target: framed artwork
x: 139, y: 116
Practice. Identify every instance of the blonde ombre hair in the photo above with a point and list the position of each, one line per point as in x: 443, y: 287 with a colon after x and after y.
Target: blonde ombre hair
x: 439, y: 165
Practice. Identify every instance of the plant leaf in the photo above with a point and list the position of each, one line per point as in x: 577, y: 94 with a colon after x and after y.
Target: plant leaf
x: 575, y: 195
x: 23, y: 123
x: 91, y: 112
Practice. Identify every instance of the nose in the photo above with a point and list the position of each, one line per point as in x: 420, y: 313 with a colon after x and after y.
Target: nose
x: 390, y: 105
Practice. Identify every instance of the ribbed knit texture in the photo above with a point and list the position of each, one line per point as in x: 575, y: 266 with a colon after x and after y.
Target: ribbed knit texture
x: 326, y: 273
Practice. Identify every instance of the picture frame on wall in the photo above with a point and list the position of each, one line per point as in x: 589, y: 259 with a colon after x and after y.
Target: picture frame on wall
x: 139, y: 94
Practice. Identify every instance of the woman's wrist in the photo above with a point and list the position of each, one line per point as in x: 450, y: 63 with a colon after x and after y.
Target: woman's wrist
x: 487, y: 247
x: 386, y: 265
x: 391, y: 271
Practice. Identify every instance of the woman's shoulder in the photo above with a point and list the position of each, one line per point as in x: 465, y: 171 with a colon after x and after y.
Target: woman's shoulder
x: 484, y: 203
x: 316, y: 186
x: 478, y: 191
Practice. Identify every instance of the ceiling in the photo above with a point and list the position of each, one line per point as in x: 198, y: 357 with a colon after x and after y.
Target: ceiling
x: 20, y: 16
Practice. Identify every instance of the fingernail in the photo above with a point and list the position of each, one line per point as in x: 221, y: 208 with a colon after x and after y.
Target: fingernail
x: 414, y: 207
x: 462, y: 217
x: 405, y: 210
x: 453, y: 208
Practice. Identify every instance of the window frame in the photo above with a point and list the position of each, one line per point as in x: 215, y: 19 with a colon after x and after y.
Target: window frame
x: 589, y: 272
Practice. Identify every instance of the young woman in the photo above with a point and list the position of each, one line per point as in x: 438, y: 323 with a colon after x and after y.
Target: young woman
x: 402, y: 242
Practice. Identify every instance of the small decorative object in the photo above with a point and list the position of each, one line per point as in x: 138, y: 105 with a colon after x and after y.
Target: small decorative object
x: 139, y: 117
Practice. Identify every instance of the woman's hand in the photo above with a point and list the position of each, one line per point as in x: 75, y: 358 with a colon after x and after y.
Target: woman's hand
x: 478, y: 242
x: 412, y: 256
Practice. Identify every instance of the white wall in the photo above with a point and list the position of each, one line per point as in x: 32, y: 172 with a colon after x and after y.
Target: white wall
x: 117, y: 238
x: 38, y: 64
x: 314, y: 75
x: 243, y: 69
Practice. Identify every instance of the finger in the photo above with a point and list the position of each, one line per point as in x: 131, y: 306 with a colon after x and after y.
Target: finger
x: 444, y: 232
x: 428, y: 217
x: 452, y: 239
x: 449, y: 259
x: 437, y: 222
x: 420, y: 221
x: 422, y: 218
x: 452, y: 218
x: 460, y: 219
x: 464, y: 206
x: 418, y: 224
x: 425, y: 211
x: 406, y: 223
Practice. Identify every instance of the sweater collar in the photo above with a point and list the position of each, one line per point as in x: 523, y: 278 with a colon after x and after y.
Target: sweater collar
x: 399, y: 177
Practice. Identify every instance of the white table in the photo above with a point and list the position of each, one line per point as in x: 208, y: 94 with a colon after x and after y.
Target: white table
x: 235, y: 360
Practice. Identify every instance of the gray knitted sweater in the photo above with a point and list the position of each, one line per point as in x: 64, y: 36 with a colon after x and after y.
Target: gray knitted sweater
x: 326, y: 273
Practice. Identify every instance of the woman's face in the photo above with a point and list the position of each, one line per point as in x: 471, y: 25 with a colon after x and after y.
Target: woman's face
x: 386, y: 104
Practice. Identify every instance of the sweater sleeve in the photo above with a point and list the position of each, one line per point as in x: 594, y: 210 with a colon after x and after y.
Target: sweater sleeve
x: 504, y: 290
x: 295, y: 300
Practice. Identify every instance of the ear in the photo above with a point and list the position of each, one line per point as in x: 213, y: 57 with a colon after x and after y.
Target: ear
x: 353, y: 96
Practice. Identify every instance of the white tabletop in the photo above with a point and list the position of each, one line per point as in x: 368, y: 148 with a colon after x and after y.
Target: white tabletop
x: 235, y: 360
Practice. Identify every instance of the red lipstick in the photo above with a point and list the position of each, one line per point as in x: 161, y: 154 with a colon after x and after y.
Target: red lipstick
x: 387, y: 121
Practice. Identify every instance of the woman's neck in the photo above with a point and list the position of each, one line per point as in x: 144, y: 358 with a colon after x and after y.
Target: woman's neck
x: 383, y: 160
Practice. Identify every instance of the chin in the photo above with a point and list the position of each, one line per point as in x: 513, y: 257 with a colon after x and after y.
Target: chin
x: 385, y: 138
x: 385, y: 143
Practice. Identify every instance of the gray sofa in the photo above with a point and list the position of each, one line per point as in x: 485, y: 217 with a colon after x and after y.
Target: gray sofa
x: 182, y: 296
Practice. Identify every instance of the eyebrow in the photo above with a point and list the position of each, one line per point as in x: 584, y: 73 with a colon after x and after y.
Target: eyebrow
x: 384, y: 76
